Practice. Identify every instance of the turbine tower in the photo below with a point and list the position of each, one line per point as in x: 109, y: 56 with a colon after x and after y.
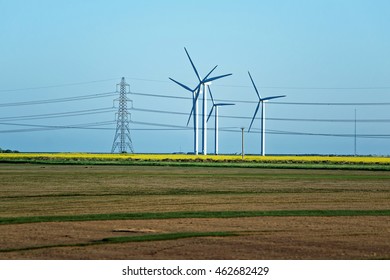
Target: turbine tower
x: 262, y: 102
x: 194, y: 93
x: 194, y: 111
x: 216, y: 105
x: 122, y: 139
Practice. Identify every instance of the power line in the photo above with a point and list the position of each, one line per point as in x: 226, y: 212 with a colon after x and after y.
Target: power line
x: 162, y: 125
x: 55, y: 86
x: 274, y: 102
x: 268, y: 119
x: 36, y: 127
x: 278, y: 87
x: 109, y: 94
x: 94, y: 125
x: 170, y: 127
x: 279, y: 132
x: 309, y: 88
x: 296, y: 133
x: 348, y: 135
x: 333, y: 103
x: 58, y: 100
x: 276, y: 132
x: 160, y: 95
x: 353, y: 88
x: 60, y: 115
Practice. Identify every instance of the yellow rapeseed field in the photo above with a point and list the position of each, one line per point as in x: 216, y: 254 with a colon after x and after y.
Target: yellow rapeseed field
x: 200, y: 158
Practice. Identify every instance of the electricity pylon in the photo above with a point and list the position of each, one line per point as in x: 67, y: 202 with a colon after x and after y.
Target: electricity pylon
x: 122, y: 139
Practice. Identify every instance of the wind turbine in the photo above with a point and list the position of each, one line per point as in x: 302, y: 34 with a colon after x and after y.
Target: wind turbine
x: 194, y: 110
x: 194, y: 93
x: 216, y: 105
x: 262, y: 102
x: 201, y: 86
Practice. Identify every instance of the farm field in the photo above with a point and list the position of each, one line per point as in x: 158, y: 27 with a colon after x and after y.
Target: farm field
x: 176, y: 212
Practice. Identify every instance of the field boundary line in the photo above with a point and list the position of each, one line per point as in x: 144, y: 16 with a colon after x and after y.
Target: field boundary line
x: 127, y: 239
x: 200, y: 214
x: 189, y: 164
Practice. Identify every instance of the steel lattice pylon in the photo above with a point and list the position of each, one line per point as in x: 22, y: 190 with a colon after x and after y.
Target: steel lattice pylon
x: 122, y: 140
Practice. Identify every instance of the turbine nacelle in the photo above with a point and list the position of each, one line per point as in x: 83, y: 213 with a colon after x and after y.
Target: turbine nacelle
x: 261, y: 100
x: 216, y: 104
x: 202, y: 82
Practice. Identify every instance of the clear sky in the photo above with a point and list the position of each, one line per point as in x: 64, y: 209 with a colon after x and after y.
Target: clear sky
x: 318, y: 52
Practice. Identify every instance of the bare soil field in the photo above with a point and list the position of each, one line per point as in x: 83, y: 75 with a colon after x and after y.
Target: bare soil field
x: 56, y: 190
x: 258, y: 238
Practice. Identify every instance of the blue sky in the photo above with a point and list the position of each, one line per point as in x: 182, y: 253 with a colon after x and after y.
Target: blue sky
x: 311, y: 51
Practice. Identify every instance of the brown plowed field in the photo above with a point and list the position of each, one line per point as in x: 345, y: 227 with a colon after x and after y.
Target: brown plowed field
x: 44, y: 190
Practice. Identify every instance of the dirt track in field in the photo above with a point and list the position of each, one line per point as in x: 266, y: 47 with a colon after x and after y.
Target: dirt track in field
x: 42, y: 190
x: 259, y: 238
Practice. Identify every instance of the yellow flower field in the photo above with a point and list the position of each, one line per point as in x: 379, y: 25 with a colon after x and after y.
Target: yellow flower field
x: 200, y: 158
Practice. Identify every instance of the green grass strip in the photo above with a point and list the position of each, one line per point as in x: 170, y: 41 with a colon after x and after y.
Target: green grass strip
x: 165, y: 236
x: 126, y: 239
x: 200, y: 214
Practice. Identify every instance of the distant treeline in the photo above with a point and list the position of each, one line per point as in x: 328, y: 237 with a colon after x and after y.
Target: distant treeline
x: 8, y: 151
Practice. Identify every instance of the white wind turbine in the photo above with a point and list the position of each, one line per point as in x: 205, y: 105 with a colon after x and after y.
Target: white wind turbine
x: 216, y: 105
x: 194, y: 93
x: 201, y: 86
x: 262, y: 102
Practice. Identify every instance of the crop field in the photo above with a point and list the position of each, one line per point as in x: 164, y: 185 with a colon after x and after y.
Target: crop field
x: 254, y: 161
x: 186, y: 157
x: 125, y: 211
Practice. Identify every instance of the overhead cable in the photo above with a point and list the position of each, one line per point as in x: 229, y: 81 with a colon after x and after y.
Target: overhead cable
x: 55, y: 86
x: 60, y: 115
x: 58, y: 100
x: 268, y: 119
x: 271, y: 102
x: 35, y: 127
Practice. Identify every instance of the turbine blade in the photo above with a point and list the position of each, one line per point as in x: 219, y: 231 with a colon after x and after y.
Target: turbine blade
x: 216, y: 78
x: 189, y: 117
x: 210, y: 72
x: 254, y: 116
x: 192, y: 110
x: 193, y: 66
x: 194, y: 98
x: 273, y: 97
x: 211, y: 111
x: 224, y: 104
x: 253, y: 83
x: 197, y: 92
x: 212, y: 99
x: 182, y: 85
